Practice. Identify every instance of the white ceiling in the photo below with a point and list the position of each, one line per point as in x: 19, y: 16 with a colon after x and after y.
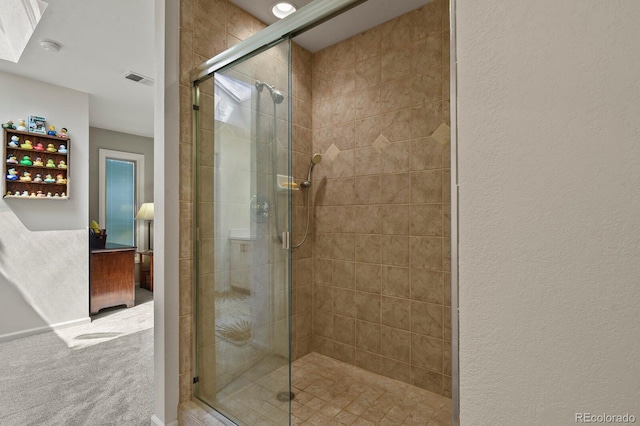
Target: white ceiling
x: 102, y: 40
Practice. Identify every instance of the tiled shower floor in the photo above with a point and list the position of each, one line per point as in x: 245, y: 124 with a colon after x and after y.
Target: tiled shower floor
x: 330, y: 392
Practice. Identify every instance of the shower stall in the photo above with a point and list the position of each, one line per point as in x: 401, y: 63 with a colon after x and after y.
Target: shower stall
x: 321, y: 218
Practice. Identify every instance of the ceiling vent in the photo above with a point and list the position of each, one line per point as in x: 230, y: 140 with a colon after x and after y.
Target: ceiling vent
x: 138, y: 78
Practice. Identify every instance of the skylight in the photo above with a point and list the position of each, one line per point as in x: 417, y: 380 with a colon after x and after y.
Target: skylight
x: 18, y: 21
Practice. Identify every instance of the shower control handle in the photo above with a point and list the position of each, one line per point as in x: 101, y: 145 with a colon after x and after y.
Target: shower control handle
x: 286, y: 243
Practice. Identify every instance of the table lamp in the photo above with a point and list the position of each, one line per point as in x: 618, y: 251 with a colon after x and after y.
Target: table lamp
x: 146, y: 213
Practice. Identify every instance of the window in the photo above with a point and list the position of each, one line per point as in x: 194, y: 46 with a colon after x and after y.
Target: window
x: 121, y: 194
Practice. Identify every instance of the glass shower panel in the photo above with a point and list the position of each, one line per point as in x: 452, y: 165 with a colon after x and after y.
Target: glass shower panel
x: 242, y: 218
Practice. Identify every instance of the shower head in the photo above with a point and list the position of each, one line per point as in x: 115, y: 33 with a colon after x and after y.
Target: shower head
x: 275, y: 94
x: 315, y: 159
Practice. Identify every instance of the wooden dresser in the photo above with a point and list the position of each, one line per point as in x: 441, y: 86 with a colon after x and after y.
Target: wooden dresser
x: 112, y: 277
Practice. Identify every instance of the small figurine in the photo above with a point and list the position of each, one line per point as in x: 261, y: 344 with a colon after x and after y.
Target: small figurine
x: 9, y: 194
x: 56, y: 196
x: 22, y: 126
x: 52, y: 131
x: 50, y: 164
x: 63, y: 133
x: 15, y: 141
x: 12, y: 174
x: 49, y: 195
x: 37, y: 179
x: 33, y: 194
x: 40, y: 194
x: 49, y: 179
x: 25, y: 193
x: 62, y: 164
x: 51, y: 148
x: 38, y: 147
x: 26, y: 161
x: 9, y: 125
x: 60, y: 179
x: 63, y: 195
x: 26, y: 145
x: 12, y: 159
x: 38, y: 162
x: 26, y: 177
x: 62, y: 149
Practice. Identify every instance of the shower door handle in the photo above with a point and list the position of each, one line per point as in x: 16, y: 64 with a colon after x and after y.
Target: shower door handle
x: 286, y: 244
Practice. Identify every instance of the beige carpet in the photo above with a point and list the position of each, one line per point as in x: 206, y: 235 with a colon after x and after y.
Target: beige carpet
x: 94, y: 374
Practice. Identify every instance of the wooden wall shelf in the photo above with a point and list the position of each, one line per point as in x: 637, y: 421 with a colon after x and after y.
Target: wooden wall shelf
x: 13, y: 187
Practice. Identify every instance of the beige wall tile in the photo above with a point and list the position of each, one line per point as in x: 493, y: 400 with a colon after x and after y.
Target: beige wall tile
x: 426, y: 352
x: 395, y: 219
x: 344, y: 353
x: 395, y: 250
x: 426, y: 253
x: 427, y: 53
x: 367, y: 44
x: 214, y: 11
x: 396, y: 94
x: 396, y: 344
x: 367, y: 131
x: 368, y: 306
x: 426, y: 186
x: 427, y: 318
x: 426, y: 220
x: 395, y: 64
x: 427, y: 286
x: 323, y: 298
x: 368, y: 336
x: 427, y: 153
x: 367, y: 72
x: 323, y: 324
x: 368, y: 360
x: 396, y: 281
x: 396, y: 125
x: 368, y: 248
x: 396, y: 312
x: 368, y: 219
x: 369, y: 277
x: 344, y: 248
x: 426, y: 379
x: 395, y: 188
x: 344, y: 302
x: 344, y: 274
x: 344, y: 330
x: 396, y: 370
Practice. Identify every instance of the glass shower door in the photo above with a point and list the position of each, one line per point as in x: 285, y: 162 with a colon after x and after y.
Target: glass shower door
x: 242, y: 213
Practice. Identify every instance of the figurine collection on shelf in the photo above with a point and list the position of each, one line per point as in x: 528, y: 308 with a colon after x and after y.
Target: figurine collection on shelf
x: 31, y: 151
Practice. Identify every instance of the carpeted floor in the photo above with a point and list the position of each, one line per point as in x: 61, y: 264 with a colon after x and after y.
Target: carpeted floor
x: 94, y: 374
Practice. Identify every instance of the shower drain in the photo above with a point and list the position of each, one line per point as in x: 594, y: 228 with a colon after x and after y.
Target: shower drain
x: 285, y: 396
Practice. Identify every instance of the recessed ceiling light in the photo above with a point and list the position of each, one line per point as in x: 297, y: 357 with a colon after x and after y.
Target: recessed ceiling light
x: 50, y: 45
x: 283, y: 9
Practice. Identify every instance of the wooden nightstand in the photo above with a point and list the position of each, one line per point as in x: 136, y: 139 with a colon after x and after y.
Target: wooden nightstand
x: 146, y: 272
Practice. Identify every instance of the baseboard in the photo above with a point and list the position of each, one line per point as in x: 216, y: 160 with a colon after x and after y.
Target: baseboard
x: 155, y: 421
x: 38, y: 330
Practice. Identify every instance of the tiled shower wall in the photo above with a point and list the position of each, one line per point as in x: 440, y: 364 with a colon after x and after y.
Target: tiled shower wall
x: 382, y: 199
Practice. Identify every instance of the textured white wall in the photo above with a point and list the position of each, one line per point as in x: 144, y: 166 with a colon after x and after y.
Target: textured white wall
x: 44, y: 267
x: 549, y: 217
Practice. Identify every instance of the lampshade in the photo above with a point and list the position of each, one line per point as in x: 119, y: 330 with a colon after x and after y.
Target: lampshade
x: 145, y: 212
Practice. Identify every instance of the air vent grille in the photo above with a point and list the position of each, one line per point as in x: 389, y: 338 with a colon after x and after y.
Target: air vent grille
x: 138, y: 78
